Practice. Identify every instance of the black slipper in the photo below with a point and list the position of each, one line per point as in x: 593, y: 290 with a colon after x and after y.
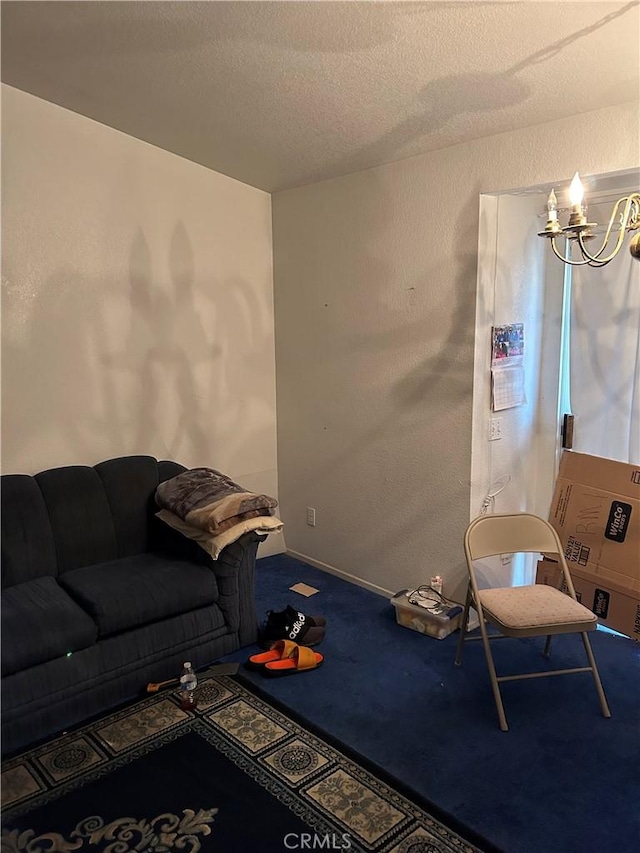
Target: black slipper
x: 292, y: 624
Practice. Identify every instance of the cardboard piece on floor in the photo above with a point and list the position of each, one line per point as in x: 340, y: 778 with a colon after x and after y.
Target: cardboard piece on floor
x: 304, y: 589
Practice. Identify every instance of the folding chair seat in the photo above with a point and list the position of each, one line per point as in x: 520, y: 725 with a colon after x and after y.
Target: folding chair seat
x: 523, y: 611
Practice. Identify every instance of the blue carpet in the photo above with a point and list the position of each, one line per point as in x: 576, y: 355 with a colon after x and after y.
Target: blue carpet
x: 562, y: 780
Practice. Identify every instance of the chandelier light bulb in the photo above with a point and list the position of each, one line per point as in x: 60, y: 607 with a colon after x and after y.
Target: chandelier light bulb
x: 576, y: 192
x: 552, y: 206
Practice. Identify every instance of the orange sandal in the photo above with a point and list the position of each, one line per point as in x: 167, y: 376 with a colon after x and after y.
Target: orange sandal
x: 302, y: 659
x: 279, y: 651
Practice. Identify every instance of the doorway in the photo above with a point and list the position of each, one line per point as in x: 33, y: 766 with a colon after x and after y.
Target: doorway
x: 520, y: 281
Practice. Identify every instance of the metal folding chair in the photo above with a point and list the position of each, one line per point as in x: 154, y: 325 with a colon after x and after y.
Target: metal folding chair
x: 523, y: 611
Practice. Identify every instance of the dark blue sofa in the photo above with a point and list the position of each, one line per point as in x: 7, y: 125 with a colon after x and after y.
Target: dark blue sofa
x: 99, y: 597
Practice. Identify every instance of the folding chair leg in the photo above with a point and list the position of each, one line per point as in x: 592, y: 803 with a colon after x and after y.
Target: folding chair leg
x: 463, y: 627
x: 596, y: 676
x: 486, y: 642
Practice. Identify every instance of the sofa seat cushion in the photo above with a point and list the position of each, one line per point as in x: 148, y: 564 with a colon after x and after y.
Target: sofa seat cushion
x: 41, y: 622
x: 138, y: 590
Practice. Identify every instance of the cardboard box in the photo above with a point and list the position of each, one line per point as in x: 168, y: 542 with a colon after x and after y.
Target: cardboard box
x: 616, y: 608
x: 596, y: 513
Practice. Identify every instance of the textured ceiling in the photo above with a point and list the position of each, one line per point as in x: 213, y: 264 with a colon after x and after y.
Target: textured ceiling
x: 278, y: 94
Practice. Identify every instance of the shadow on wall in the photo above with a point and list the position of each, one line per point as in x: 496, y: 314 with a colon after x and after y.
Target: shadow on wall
x: 173, y: 369
x: 51, y: 331
x: 396, y: 374
x: 198, y: 357
x: 163, y: 362
x: 446, y: 374
x: 433, y: 399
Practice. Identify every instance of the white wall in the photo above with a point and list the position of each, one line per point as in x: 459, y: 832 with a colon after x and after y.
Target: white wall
x: 511, y: 289
x: 138, y: 318
x: 137, y: 311
x: 375, y: 277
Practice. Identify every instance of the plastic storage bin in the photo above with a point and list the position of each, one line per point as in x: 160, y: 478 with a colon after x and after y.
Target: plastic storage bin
x: 438, y: 625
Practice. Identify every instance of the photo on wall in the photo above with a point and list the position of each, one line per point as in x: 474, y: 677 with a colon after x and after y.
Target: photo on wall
x: 507, y: 366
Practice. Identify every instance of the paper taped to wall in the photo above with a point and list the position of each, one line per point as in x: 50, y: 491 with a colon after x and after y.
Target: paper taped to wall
x: 507, y: 388
x: 507, y: 366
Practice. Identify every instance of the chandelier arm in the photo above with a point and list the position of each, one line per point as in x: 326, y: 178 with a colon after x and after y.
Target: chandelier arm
x: 612, y: 218
x: 597, y: 258
x: 563, y: 258
x: 629, y: 220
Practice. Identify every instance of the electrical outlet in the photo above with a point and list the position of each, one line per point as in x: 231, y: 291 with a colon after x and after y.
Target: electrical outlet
x: 495, y: 429
x: 311, y: 516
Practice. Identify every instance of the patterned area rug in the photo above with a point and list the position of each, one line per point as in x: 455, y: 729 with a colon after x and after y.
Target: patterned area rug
x: 236, y: 776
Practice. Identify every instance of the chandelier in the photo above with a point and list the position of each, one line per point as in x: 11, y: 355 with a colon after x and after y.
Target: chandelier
x: 625, y: 216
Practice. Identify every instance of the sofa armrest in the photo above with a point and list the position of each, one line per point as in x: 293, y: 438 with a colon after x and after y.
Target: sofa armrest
x: 235, y: 573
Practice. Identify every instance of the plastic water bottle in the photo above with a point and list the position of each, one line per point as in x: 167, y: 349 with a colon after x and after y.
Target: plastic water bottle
x: 188, y: 684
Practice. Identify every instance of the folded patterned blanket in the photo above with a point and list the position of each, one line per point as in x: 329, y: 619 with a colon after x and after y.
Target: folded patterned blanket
x: 214, y: 544
x: 209, y: 500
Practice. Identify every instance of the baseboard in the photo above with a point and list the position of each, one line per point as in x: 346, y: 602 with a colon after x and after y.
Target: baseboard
x: 325, y: 567
x: 473, y: 622
x: 332, y: 570
x: 273, y: 544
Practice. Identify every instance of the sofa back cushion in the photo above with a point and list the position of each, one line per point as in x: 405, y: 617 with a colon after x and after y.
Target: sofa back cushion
x: 130, y: 483
x: 80, y: 516
x: 67, y: 518
x: 28, y: 547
